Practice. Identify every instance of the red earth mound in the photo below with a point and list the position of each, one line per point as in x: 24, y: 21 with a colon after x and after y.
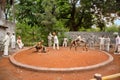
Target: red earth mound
x: 62, y: 58
x: 10, y: 72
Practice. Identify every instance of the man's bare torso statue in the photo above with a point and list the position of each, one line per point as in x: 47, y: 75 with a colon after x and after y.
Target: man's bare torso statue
x: 76, y: 43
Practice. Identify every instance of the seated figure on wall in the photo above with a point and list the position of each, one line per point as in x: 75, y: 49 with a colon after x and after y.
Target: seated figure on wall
x: 19, y: 42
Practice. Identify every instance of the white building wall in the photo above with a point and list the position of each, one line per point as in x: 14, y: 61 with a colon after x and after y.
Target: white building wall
x: 6, y: 26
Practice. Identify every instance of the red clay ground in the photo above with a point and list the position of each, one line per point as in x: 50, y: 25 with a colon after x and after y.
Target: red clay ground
x: 63, y: 58
x: 10, y: 72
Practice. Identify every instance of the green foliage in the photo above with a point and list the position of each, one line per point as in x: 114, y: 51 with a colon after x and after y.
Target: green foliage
x: 112, y: 28
x: 60, y: 29
x: 31, y: 35
x: 90, y: 29
x: 59, y: 26
x: 48, y: 12
x: 36, y: 19
x: 72, y: 15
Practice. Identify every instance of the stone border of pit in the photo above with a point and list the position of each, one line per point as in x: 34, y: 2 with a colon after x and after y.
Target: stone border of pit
x: 12, y: 59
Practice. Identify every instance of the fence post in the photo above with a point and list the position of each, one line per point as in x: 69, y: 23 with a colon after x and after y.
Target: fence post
x: 98, y: 76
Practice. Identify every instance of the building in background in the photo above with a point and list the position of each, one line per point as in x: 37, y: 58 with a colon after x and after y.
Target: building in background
x: 6, y: 26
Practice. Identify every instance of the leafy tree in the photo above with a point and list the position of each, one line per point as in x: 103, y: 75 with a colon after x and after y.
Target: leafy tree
x: 72, y: 14
x: 25, y: 12
x: 6, y: 6
x: 112, y: 28
x: 29, y: 34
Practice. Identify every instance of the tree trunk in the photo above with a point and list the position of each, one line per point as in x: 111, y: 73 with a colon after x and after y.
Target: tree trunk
x: 72, y: 19
x: 75, y: 25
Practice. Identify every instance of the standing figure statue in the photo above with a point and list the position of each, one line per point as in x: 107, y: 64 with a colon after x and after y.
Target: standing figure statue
x: 91, y: 41
x: 6, y: 42
x: 13, y: 41
x: 50, y: 40
x: 65, y: 41
x: 55, y: 41
x: 102, y: 42
x: 117, y: 40
x: 107, y: 43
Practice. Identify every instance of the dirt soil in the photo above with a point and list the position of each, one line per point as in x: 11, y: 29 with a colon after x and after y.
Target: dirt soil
x: 61, y: 59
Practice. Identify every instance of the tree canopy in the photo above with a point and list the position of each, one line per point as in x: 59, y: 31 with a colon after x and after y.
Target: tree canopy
x: 71, y: 14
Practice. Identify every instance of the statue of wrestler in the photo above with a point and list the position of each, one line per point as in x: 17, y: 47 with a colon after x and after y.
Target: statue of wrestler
x: 75, y: 43
x: 39, y: 46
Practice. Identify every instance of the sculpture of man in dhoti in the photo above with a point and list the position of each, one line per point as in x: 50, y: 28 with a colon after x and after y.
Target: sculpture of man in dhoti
x: 13, y: 41
x: 6, y: 42
x: 50, y: 40
x: 55, y: 41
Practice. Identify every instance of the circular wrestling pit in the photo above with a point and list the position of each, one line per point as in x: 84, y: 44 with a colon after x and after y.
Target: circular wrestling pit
x: 63, y: 59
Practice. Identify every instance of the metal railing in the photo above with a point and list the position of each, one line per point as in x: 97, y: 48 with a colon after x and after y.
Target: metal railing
x: 110, y: 77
